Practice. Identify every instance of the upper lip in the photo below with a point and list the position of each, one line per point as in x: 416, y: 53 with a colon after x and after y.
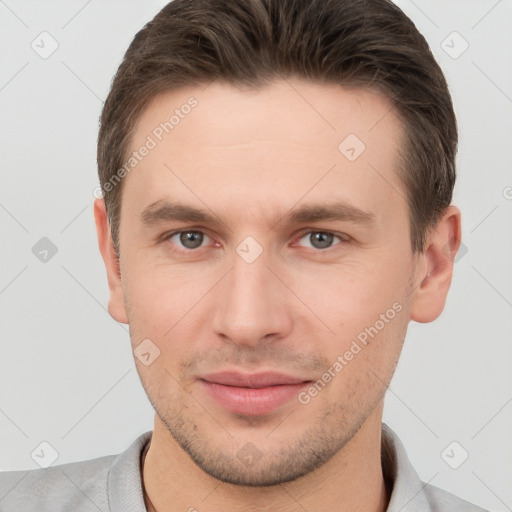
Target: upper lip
x: 255, y: 380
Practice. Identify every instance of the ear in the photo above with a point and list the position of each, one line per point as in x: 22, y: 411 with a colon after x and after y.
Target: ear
x: 116, y: 305
x: 435, y: 267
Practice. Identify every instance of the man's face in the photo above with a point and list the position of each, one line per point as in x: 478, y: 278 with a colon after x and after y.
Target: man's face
x: 269, y: 283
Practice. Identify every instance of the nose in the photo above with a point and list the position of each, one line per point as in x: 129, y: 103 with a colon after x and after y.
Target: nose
x: 252, y: 305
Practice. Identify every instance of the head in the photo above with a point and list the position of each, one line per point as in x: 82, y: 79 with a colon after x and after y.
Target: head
x: 277, y: 180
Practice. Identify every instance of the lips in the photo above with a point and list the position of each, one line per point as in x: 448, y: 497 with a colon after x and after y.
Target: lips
x: 258, y: 380
x: 251, y: 394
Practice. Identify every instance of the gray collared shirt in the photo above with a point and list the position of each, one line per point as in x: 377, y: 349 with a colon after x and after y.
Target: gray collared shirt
x: 113, y: 483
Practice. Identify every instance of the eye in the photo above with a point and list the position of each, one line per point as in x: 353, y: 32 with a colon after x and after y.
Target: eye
x: 195, y: 239
x: 188, y: 239
x: 320, y: 239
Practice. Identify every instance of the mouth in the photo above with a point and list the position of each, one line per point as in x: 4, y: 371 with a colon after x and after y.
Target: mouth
x: 252, y: 394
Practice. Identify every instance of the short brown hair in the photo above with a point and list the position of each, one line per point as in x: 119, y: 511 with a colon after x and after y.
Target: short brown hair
x: 361, y: 43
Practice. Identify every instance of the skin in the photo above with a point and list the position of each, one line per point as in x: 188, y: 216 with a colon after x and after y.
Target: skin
x: 251, y: 157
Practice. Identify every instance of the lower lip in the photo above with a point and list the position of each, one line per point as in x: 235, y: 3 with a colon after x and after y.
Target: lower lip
x: 252, y: 401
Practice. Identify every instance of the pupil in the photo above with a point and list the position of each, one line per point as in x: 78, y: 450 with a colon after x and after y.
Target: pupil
x: 321, y: 240
x: 191, y: 239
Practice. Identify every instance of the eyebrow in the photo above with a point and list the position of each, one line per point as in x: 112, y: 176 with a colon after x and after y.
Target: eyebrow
x: 163, y: 210
x: 329, y: 211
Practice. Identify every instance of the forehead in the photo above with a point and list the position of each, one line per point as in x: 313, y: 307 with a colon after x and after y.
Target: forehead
x: 274, y: 144
x: 316, y: 108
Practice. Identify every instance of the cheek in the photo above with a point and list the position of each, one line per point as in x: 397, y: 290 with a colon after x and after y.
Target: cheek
x: 165, y: 304
x: 162, y: 290
x: 350, y: 297
x: 365, y: 308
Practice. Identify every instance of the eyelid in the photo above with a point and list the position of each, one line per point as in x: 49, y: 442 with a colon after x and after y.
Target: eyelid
x: 307, y: 231
x: 167, y: 236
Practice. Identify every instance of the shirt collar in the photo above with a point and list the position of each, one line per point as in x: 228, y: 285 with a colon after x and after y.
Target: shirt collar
x: 124, y: 481
x: 407, y: 493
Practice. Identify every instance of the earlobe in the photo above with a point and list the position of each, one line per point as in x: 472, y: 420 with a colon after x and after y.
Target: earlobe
x: 435, y: 267
x: 116, y: 304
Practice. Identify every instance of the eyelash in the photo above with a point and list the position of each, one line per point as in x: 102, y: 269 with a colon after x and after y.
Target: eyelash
x: 341, y: 236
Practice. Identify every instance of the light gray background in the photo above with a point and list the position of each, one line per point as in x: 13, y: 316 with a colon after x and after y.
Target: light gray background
x: 66, y: 369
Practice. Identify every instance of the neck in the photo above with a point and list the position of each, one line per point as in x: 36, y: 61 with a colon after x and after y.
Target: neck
x: 352, y: 480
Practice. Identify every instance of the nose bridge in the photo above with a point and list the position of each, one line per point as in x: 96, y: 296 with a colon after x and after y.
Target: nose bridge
x: 250, y: 304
